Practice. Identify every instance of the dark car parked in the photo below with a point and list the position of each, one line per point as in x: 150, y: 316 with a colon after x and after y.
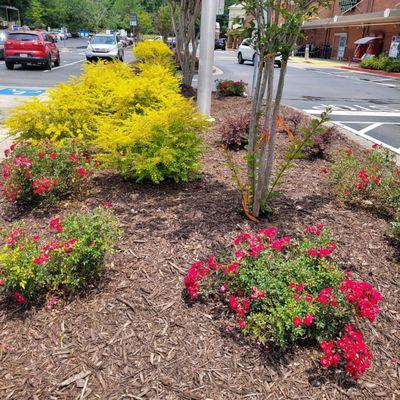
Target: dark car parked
x: 220, y: 44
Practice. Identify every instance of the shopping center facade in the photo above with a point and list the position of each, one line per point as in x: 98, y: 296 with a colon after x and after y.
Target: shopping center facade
x: 351, y: 28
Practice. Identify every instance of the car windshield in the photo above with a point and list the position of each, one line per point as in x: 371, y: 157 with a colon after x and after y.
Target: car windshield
x: 22, y: 37
x: 103, y: 40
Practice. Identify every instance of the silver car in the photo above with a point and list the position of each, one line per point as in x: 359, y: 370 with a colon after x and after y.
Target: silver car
x: 104, y: 46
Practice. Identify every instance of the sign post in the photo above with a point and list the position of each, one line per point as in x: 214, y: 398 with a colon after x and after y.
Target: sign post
x: 207, y: 44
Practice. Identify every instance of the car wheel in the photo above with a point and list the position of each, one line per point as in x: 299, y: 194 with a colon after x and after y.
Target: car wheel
x: 88, y: 59
x: 58, y: 61
x: 9, y: 65
x: 49, y: 63
x: 279, y: 65
x: 240, y: 58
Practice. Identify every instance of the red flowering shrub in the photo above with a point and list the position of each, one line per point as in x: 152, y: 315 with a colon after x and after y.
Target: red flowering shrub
x: 283, y: 290
x: 373, y: 176
x: 234, y: 131
x: 227, y: 88
x: 33, y: 173
x: 372, y: 179
x: 67, y: 257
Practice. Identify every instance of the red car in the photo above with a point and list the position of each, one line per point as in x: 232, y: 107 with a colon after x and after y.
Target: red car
x: 31, y: 47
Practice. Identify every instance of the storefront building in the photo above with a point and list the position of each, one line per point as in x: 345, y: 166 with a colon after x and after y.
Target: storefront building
x: 349, y: 29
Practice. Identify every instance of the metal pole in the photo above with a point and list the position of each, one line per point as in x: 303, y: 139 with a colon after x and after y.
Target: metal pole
x: 207, y: 44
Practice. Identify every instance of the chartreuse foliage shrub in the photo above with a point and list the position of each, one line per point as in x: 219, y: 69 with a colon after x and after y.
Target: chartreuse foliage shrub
x: 67, y: 258
x: 286, y: 290
x: 162, y: 144
x: 72, y: 109
x: 138, y: 123
x: 154, y: 52
x: 43, y: 172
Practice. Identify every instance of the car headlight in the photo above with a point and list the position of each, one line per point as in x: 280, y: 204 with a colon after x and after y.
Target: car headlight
x: 89, y: 48
x: 114, y: 50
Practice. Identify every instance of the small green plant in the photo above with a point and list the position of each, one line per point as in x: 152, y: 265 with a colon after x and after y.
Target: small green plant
x: 283, y: 291
x: 381, y: 63
x: 32, y: 173
x: 67, y: 258
x: 371, y: 177
x: 226, y: 88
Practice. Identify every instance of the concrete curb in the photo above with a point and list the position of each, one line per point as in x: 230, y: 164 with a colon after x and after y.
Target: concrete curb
x: 372, y: 72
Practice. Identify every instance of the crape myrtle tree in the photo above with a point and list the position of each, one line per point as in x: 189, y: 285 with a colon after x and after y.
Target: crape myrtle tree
x: 275, y: 29
x: 184, y: 15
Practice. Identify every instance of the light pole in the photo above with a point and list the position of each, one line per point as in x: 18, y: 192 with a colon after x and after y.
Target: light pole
x: 207, y: 44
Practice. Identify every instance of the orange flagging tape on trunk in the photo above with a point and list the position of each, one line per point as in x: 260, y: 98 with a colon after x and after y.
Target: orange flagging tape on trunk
x: 247, y: 212
x: 281, y: 122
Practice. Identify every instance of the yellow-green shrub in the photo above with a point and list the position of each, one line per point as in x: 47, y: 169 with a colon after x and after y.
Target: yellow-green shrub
x: 154, y: 52
x: 162, y: 144
x: 72, y: 109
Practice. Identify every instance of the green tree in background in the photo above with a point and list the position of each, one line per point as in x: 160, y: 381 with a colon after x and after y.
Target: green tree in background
x: 35, y: 14
x: 163, y: 22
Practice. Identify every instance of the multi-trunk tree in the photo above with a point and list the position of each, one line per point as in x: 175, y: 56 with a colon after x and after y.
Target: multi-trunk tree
x: 275, y: 30
x: 185, y: 14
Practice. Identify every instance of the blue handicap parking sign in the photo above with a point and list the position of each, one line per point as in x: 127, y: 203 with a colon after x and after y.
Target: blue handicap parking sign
x: 21, y: 92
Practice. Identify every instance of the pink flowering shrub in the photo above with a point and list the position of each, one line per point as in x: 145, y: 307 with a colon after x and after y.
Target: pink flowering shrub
x: 288, y: 289
x: 66, y: 257
x: 372, y: 176
x: 227, y: 88
x: 37, y: 172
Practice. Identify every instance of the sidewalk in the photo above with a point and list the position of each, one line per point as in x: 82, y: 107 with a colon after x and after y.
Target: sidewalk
x: 342, y: 65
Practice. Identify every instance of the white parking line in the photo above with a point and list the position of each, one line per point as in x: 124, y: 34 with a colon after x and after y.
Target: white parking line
x: 63, y: 66
x: 357, y: 113
x: 370, y: 127
x: 365, y: 136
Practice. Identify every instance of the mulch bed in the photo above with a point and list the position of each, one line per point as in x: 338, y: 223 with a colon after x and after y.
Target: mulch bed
x: 133, y: 336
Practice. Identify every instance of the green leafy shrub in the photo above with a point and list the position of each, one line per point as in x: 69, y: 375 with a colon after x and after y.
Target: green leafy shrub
x: 381, y: 63
x: 154, y: 52
x: 68, y: 257
x: 34, y: 173
x: 227, y: 88
x: 287, y: 290
x: 372, y: 177
x: 321, y: 143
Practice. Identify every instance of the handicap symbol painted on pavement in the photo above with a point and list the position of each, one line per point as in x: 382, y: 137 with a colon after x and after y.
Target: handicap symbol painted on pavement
x: 21, y: 92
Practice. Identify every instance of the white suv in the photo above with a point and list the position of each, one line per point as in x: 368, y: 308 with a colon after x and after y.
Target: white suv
x: 246, y: 52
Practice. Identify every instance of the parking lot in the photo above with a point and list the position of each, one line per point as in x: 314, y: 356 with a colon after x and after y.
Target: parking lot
x: 363, y: 103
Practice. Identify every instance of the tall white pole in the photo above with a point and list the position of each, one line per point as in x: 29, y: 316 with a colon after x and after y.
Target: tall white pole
x: 207, y: 44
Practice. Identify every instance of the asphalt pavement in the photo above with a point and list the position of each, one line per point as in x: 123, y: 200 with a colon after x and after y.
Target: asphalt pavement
x: 365, y: 104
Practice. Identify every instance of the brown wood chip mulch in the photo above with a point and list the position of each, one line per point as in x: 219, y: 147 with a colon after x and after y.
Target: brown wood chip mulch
x: 134, y: 337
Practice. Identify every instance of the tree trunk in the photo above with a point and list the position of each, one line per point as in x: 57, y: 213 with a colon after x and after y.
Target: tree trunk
x: 271, y: 145
x: 265, y: 139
